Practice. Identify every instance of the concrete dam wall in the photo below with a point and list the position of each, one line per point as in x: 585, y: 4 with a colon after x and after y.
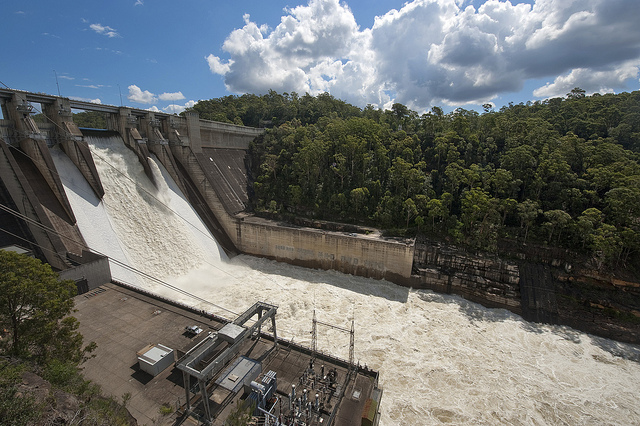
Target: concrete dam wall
x: 205, y: 159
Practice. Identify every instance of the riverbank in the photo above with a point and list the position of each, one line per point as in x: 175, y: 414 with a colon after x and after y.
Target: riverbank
x: 540, y: 284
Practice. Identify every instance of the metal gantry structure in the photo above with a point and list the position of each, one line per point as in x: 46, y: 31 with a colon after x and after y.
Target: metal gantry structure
x: 194, y: 363
x: 314, y: 338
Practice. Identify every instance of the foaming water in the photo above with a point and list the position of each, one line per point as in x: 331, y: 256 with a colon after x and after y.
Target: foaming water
x: 152, y: 228
x: 442, y: 359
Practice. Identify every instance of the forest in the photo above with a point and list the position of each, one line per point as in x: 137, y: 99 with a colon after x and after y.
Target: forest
x: 561, y: 172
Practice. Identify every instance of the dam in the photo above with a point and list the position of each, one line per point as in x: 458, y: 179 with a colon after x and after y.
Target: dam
x: 205, y: 159
x: 441, y: 358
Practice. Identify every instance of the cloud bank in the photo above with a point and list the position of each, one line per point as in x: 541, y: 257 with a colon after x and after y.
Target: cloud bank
x: 437, y: 51
x: 176, y: 96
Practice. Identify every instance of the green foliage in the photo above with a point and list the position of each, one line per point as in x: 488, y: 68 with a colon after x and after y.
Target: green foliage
x: 90, y: 119
x: 43, y: 339
x: 66, y: 375
x: 19, y: 406
x: 16, y: 408
x: 34, y: 308
x: 533, y: 172
x: 241, y: 415
x: 166, y: 409
x: 105, y: 411
x: 274, y: 109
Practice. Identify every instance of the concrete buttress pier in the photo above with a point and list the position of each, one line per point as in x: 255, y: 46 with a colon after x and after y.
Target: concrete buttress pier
x: 126, y: 123
x: 72, y: 142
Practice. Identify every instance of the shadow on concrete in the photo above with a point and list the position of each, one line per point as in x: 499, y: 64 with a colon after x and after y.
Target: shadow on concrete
x: 139, y: 375
x: 175, y: 377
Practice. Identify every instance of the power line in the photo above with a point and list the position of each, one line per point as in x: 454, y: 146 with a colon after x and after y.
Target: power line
x: 115, y: 261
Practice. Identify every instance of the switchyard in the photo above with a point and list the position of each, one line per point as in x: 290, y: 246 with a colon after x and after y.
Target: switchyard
x: 229, y: 364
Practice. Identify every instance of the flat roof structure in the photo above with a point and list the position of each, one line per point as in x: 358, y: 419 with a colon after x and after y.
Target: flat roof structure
x: 155, y: 358
x: 240, y: 373
x: 231, y: 332
x: 154, y: 353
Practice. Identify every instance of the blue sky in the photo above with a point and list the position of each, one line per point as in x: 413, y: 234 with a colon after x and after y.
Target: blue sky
x: 166, y: 55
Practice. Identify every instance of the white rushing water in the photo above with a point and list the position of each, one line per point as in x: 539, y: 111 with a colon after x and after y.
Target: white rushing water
x: 442, y: 359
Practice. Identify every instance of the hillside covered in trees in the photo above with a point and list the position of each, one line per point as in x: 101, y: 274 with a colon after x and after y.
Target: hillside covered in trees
x: 563, y: 172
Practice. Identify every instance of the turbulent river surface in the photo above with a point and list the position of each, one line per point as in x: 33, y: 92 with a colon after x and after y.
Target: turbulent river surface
x: 441, y: 359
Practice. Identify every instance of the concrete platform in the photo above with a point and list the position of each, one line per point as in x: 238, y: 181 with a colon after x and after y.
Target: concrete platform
x: 122, y: 322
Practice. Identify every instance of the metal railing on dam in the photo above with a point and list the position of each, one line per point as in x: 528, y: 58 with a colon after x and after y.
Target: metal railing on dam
x: 154, y: 126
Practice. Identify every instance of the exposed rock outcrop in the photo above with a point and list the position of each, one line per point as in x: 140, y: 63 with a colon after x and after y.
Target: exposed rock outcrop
x: 490, y: 281
x: 539, y: 284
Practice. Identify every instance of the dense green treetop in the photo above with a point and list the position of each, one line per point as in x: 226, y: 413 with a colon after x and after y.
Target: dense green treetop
x: 34, y: 310
x: 563, y: 171
x: 90, y: 119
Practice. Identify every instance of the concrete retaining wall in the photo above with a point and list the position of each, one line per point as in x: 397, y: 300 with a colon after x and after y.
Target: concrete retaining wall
x: 357, y: 255
x: 91, y: 267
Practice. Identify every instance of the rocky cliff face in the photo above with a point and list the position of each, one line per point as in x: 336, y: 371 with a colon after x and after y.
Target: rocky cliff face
x: 490, y: 281
x: 599, y: 304
x: 542, y: 285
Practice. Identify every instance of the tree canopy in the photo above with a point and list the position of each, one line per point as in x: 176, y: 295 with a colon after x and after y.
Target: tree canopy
x: 34, y: 309
x: 90, y: 119
x: 40, y: 338
x: 533, y: 172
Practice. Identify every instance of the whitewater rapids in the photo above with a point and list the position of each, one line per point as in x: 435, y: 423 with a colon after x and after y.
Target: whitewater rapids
x: 441, y: 359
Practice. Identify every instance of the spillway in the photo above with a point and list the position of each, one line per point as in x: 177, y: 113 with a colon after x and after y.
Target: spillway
x: 442, y: 359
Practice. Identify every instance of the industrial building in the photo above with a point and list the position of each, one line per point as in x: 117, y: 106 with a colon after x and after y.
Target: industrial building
x: 230, y: 364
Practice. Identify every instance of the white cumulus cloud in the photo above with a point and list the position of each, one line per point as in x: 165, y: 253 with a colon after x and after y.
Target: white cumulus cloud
x: 436, y: 51
x: 104, y: 30
x: 598, y: 81
x: 177, y: 109
x: 139, y: 96
x: 296, y: 56
x: 217, y: 66
x: 176, y: 96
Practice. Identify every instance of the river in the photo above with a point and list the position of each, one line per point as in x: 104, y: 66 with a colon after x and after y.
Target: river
x: 441, y: 358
